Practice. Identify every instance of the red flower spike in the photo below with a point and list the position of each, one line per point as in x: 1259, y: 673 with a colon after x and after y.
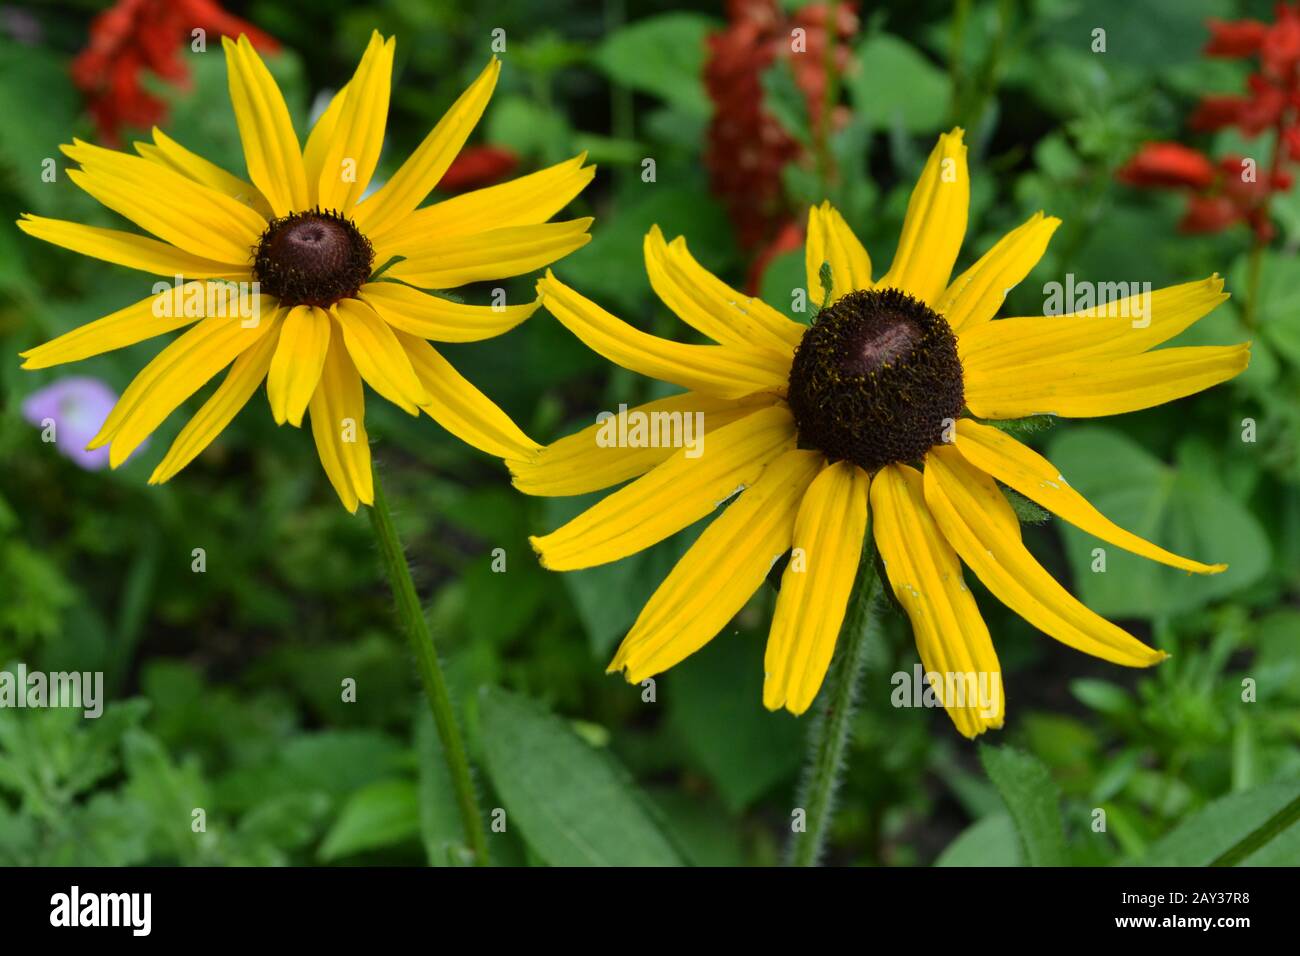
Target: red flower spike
x: 133, y: 36
x: 1235, y: 38
x: 1168, y: 165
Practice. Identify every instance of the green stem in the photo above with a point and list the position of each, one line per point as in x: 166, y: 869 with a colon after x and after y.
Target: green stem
x: 1270, y: 828
x: 426, y: 658
x: 829, y: 736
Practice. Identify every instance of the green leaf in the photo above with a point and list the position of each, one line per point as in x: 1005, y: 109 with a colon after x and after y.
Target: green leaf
x: 380, y: 815
x: 661, y: 55
x: 712, y: 702
x: 991, y: 841
x: 1259, y: 827
x: 895, y: 87
x: 1032, y: 800
x: 440, y: 827
x: 573, y: 804
x: 1185, y: 509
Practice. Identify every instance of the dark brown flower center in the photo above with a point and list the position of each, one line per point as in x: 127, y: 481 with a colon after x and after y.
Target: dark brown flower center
x: 313, y: 258
x: 876, y: 379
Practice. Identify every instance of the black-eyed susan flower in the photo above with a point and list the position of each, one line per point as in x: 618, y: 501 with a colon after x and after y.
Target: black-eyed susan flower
x: 874, y: 409
x: 277, y: 276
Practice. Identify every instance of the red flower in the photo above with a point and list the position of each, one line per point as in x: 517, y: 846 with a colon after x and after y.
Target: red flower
x: 1168, y: 165
x: 1209, y: 214
x: 747, y: 147
x: 477, y: 166
x: 1235, y: 38
x: 137, y: 35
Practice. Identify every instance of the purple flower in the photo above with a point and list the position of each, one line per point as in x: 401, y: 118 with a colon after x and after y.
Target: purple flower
x: 73, y: 410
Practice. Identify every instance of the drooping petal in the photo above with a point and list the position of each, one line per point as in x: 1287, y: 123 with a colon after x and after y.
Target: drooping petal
x: 338, y: 423
x: 725, y: 371
x: 299, y: 358
x: 379, y: 356
x: 415, y: 179
x: 526, y: 201
x: 1089, y: 388
x: 175, y: 208
x: 830, y: 240
x: 1121, y: 328
x: 174, y: 308
x: 271, y: 149
x: 961, y: 498
x: 461, y: 408
x: 176, y: 373
x: 442, y: 320
x: 815, y: 587
x: 219, y: 410
x: 976, y: 295
x: 674, y: 494
x: 353, y: 150
x: 720, y: 571
x: 168, y: 152
x: 925, y: 575
x: 583, y: 462
x: 445, y: 262
x: 998, y: 454
x: 128, y: 249
x: 935, y: 224
x: 710, y: 306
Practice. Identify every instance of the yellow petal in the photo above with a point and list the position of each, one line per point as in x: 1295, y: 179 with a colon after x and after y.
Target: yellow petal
x: 353, y: 150
x: 172, y: 154
x: 220, y: 409
x: 580, y: 463
x: 176, y: 373
x: 962, y: 499
x: 338, y: 423
x: 461, y: 408
x: 433, y: 317
x: 409, y: 186
x: 175, y: 208
x: 128, y: 249
x: 725, y: 371
x: 815, y: 587
x: 935, y: 224
x: 830, y: 240
x: 674, y: 494
x: 299, y: 358
x: 1088, y: 388
x: 525, y: 201
x: 271, y: 148
x: 379, y: 356
x: 444, y: 262
x: 976, y: 295
x: 1123, y: 327
x: 1029, y: 473
x: 720, y: 571
x: 158, y: 314
x: 711, y: 306
x: 925, y: 575
x: 320, y: 138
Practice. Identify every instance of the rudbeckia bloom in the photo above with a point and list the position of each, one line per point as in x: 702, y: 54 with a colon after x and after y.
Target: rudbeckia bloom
x: 874, y: 409
x: 319, y: 321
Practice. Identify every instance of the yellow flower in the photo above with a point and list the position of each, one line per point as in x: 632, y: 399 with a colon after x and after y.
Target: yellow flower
x: 316, y: 323
x: 871, y: 409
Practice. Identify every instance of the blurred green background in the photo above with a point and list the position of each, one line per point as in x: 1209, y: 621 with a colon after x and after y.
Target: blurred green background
x: 224, y: 686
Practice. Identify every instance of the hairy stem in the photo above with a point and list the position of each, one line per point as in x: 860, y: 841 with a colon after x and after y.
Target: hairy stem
x: 411, y: 614
x: 829, y: 736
